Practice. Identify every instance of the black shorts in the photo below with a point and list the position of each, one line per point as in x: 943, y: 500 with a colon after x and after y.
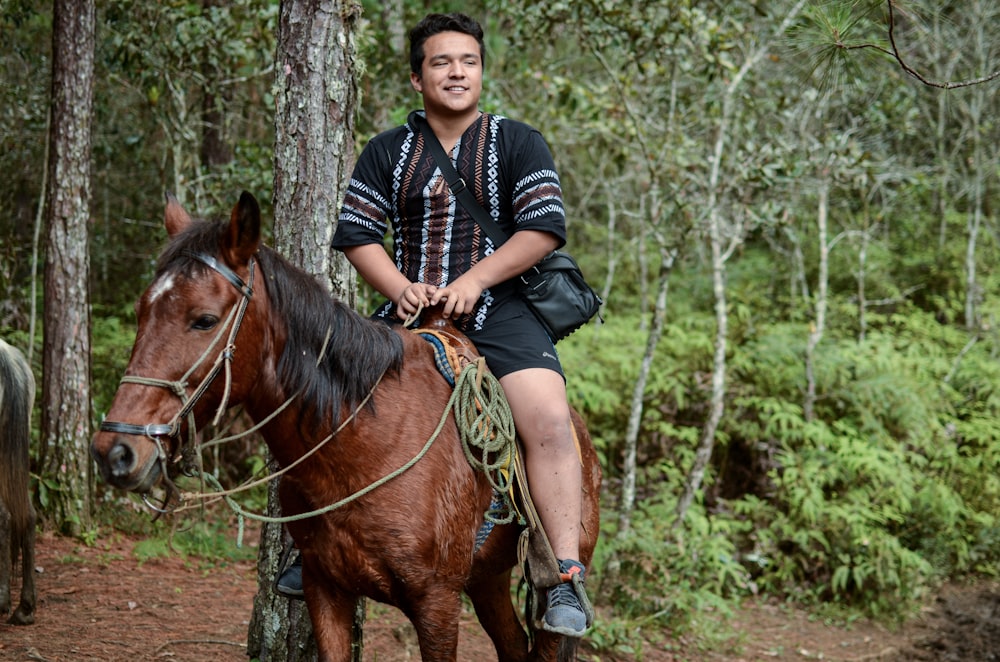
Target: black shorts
x: 513, y: 339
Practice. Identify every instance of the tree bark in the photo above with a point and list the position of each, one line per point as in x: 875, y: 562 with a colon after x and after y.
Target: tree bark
x: 65, y: 402
x: 974, y: 218
x: 316, y: 101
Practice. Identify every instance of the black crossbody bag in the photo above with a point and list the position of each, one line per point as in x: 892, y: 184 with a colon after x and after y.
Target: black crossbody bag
x: 554, y: 288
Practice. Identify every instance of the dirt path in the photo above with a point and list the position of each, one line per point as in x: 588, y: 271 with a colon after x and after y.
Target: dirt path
x: 99, y: 604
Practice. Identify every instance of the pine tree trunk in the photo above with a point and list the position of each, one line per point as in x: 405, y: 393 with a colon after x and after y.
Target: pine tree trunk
x: 316, y: 97
x: 316, y: 102
x: 66, y: 349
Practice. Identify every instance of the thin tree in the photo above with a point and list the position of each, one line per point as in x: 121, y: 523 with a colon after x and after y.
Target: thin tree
x: 65, y: 401
x: 667, y: 260
x: 818, y: 325
x: 316, y: 100
x: 722, y: 247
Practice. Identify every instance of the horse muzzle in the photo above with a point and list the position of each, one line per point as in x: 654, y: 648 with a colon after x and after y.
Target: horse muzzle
x: 128, y: 463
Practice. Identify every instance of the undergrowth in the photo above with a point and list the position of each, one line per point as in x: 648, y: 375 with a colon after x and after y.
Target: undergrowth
x: 890, y: 488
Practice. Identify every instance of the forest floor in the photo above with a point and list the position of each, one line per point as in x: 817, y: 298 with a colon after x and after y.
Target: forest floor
x: 99, y: 603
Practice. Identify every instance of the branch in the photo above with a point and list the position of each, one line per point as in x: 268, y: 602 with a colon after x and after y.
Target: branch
x: 894, y: 53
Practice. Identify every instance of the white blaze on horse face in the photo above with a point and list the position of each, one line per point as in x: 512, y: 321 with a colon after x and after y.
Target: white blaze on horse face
x: 164, y: 284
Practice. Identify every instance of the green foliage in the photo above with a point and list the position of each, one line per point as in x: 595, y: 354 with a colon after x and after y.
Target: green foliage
x: 44, y: 488
x: 868, y: 504
x: 111, y: 344
x: 828, y: 36
x: 602, y: 364
x: 890, y: 489
x: 211, y: 542
x: 183, y: 104
x: 209, y: 536
x: 661, y: 578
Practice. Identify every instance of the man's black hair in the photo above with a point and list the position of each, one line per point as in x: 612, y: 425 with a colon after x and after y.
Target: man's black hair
x: 433, y: 24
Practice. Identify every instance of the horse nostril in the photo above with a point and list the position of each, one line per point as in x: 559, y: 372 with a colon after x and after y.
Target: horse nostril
x: 121, y: 460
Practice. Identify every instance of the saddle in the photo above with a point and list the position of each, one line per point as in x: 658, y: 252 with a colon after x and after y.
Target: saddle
x: 454, y: 352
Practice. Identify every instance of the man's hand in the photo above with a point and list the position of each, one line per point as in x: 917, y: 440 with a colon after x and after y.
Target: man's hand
x: 413, y: 297
x: 460, y: 297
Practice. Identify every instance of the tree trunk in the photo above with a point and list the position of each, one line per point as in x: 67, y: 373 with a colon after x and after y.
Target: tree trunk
x: 667, y: 259
x: 818, y: 325
x: 66, y: 347
x: 974, y: 219
x: 719, y: 256
x: 717, y: 400
x: 316, y: 102
x: 860, y: 277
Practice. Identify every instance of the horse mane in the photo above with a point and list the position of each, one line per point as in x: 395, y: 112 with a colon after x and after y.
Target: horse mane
x: 358, y: 353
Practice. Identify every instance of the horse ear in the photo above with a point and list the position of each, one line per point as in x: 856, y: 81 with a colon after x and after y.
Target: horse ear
x: 243, y: 238
x: 175, y: 218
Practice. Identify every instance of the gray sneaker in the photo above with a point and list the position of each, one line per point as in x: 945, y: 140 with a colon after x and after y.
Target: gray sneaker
x: 289, y: 584
x: 565, y: 614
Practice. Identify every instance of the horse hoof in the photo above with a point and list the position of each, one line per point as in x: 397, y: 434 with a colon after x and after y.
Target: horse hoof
x: 20, y: 617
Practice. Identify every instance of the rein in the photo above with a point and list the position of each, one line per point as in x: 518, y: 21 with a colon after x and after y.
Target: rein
x: 155, y: 431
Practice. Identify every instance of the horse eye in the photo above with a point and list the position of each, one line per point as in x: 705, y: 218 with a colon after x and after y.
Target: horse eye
x: 205, y: 323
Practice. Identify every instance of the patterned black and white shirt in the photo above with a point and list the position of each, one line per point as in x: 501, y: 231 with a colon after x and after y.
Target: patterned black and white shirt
x: 505, y: 163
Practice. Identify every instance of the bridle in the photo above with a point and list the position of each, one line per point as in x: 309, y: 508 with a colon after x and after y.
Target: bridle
x: 189, y: 452
x: 156, y: 431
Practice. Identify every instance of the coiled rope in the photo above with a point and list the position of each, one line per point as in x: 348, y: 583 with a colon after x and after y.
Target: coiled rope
x: 486, y: 427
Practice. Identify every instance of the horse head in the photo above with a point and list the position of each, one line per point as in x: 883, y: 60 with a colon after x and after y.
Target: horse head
x: 182, y: 370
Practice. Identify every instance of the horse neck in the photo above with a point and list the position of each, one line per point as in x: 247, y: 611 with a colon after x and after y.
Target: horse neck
x: 316, y: 354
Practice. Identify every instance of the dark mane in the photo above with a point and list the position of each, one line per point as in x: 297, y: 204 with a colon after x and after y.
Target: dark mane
x: 365, y: 349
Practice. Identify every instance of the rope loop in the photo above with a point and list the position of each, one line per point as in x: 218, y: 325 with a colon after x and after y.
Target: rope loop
x: 486, y: 428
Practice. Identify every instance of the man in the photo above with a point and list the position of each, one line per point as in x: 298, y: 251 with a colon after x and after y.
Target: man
x: 442, y: 255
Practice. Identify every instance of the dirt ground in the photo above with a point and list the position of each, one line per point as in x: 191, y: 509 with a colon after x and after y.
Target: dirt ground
x: 100, y: 604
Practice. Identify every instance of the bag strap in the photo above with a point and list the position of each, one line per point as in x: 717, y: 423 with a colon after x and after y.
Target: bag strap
x: 457, y: 184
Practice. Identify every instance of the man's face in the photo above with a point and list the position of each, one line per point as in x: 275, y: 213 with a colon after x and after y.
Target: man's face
x: 451, y: 77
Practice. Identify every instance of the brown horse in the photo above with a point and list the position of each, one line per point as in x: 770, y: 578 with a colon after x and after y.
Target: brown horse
x: 221, y: 303
x: 17, y: 516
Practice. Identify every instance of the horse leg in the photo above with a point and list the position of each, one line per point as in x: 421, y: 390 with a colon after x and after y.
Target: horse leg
x: 332, y: 617
x: 25, y: 614
x: 551, y: 647
x: 6, y: 554
x: 495, y: 611
x: 435, y: 618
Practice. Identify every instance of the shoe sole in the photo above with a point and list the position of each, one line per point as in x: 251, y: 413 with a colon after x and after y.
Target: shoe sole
x: 564, y: 631
x: 290, y: 593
